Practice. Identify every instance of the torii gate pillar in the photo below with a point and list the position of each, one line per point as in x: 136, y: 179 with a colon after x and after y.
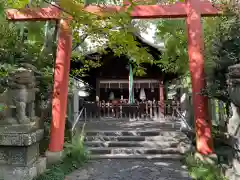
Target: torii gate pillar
x: 196, y: 66
x: 60, y: 88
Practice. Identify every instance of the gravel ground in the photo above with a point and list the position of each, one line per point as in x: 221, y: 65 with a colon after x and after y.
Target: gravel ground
x: 130, y: 169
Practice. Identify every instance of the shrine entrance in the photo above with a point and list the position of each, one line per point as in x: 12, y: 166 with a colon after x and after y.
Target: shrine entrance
x: 192, y: 10
x: 113, y: 100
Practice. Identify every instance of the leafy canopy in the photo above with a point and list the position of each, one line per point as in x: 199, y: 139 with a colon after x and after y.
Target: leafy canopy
x: 116, y: 27
x: 175, y: 57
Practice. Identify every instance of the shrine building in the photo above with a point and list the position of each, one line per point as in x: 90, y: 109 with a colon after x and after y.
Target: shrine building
x: 110, y: 82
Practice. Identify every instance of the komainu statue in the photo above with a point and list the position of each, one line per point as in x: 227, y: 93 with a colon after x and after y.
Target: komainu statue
x: 19, y: 97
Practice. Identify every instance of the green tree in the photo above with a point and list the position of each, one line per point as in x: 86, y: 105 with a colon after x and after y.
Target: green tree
x: 38, y: 47
x: 116, y: 27
x: 221, y: 39
x: 224, y: 52
x: 173, y: 33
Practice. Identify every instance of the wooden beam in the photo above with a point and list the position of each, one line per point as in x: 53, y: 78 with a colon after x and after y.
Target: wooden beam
x: 177, y: 10
x: 33, y: 14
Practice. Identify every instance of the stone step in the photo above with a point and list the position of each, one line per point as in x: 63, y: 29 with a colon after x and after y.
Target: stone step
x: 128, y: 128
x: 167, y: 118
x: 135, y: 138
x: 132, y: 150
x: 130, y: 125
x: 161, y: 119
x: 141, y: 156
x: 134, y: 128
x: 147, y: 120
x: 128, y: 138
x: 152, y: 132
x: 146, y: 144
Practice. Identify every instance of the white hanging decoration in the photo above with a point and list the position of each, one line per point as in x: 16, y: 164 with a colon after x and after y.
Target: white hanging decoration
x: 111, y: 96
x: 121, y: 88
x: 106, y: 88
x: 142, y: 94
x: 136, y: 88
x: 121, y: 97
x: 152, y: 89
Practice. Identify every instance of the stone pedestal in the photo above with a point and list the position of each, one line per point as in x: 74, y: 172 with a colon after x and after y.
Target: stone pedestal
x: 19, y: 151
x: 233, y: 173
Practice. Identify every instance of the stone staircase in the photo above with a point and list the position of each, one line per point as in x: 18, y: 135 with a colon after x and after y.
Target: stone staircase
x: 135, y: 139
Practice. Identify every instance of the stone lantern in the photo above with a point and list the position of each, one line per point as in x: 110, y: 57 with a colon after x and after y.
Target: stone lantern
x: 234, y: 121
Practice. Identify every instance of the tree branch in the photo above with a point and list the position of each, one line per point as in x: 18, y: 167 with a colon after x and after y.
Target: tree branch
x: 81, y: 41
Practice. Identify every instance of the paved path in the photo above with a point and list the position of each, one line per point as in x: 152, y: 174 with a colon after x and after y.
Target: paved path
x: 116, y: 169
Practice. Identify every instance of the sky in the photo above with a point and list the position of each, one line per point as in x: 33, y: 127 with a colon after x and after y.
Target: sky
x: 149, y: 35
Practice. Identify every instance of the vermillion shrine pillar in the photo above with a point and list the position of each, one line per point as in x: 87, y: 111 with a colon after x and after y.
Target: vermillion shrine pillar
x: 196, y: 66
x: 60, y: 91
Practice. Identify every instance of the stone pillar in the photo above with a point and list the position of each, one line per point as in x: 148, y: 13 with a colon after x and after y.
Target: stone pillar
x: 75, y: 102
x: 196, y: 66
x: 161, y: 97
x: 97, y: 90
x: 60, y: 92
x: 20, y: 129
x: 185, y: 106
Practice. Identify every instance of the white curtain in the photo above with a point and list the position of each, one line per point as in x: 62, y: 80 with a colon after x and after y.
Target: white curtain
x: 142, y: 95
x: 111, y: 96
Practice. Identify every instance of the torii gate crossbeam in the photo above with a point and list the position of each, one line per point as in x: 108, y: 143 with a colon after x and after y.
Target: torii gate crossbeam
x: 192, y: 10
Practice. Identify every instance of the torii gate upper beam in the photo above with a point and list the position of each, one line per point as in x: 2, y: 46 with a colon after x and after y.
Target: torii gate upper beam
x: 177, y: 10
x: 192, y: 10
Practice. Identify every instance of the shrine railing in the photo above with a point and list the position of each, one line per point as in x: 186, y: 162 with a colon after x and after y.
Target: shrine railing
x: 145, y: 110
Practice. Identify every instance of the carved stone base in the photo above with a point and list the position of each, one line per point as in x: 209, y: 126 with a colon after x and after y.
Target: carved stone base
x: 21, y: 139
x: 9, y: 172
x: 19, y: 152
x: 6, y: 126
x: 54, y: 157
x: 232, y: 175
x: 211, y: 158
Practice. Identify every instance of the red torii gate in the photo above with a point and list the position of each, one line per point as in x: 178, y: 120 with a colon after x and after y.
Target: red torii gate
x: 192, y: 10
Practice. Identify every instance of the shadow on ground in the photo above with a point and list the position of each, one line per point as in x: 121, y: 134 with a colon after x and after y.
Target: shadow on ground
x: 125, y: 169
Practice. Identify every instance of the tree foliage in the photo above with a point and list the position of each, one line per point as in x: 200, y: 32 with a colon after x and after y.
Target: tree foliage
x: 34, y: 42
x: 115, y: 27
x: 173, y: 33
x: 24, y: 42
x: 220, y: 33
x: 224, y: 52
x: 222, y: 43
